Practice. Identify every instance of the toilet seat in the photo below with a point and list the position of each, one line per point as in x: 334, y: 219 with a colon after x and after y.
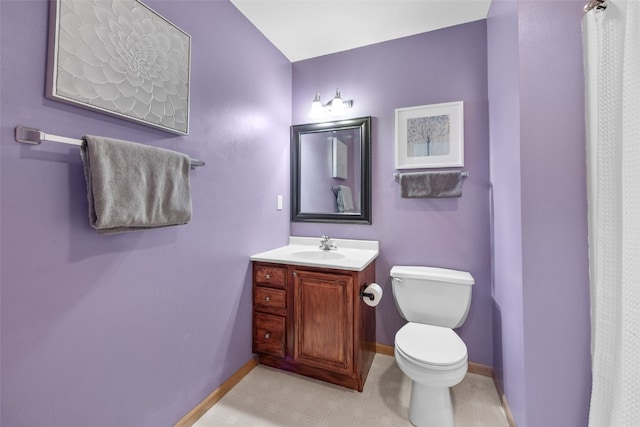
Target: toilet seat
x: 434, y: 347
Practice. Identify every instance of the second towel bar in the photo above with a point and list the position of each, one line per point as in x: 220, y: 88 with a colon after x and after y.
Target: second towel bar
x: 396, y: 175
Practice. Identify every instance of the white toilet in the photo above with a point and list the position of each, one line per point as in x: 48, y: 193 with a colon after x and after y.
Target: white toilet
x: 433, y: 301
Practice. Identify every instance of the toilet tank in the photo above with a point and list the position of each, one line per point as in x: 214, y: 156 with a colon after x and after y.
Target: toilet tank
x: 432, y: 296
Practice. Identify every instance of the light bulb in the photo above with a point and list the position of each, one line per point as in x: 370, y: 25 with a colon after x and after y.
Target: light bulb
x: 316, y: 107
x: 336, y: 103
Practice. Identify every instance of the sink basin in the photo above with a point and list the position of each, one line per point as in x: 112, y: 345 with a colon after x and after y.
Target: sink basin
x: 354, y: 255
x: 317, y: 255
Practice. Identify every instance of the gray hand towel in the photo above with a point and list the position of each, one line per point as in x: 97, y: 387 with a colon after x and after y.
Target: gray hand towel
x: 344, y: 199
x: 134, y: 186
x: 431, y: 184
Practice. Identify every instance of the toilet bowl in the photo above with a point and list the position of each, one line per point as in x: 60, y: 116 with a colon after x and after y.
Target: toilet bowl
x: 427, y: 350
x: 435, y: 359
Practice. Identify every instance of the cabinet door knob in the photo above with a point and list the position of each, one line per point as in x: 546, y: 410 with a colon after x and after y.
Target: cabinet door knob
x: 267, y: 335
x: 268, y: 276
x: 267, y: 299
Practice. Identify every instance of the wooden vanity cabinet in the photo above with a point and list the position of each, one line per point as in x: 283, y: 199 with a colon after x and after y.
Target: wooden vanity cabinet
x: 312, y: 321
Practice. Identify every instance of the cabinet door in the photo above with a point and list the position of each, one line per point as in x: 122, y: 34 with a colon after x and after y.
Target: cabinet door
x: 323, y: 306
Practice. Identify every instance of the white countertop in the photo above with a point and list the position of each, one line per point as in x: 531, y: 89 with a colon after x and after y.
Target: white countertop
x: 354, y: 255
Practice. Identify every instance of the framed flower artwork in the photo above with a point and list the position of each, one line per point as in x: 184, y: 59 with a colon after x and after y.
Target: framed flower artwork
x: 122, y: 58
x: 430, y: 136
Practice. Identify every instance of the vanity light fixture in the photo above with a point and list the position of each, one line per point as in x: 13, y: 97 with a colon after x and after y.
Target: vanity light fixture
x: 336, y: 106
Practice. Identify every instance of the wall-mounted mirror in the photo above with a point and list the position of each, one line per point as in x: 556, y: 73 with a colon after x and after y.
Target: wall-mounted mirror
x: 331, y: 171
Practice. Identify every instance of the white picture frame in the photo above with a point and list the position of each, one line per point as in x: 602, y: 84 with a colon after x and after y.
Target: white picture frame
x: 430, y: 136
x: 121, y: 58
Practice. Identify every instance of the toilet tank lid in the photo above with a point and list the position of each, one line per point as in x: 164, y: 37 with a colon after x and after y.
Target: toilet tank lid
x: 432, y: 273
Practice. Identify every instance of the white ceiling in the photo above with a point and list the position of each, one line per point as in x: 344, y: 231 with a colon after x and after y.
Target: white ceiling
x: 303, y: 29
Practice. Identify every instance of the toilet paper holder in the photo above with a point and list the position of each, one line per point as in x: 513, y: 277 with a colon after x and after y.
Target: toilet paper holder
x: 364, y: 294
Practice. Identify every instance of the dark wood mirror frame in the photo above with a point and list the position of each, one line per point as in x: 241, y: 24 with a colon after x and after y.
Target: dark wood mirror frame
x: 361, y: 217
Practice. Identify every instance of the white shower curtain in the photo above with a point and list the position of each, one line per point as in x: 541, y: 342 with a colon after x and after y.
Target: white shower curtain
x: 612, y: 63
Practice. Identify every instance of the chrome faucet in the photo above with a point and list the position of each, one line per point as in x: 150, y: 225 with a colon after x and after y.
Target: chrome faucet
x: 326, y: 244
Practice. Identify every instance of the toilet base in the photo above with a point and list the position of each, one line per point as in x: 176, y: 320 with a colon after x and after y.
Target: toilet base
x: 430, y: 406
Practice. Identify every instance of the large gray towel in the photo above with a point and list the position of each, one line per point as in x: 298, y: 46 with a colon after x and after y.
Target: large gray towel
x: 134, y: 186
x: 431, y: 184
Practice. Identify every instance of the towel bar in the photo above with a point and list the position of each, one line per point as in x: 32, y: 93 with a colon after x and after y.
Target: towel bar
x: 396, y: 175
x: 27, y: 135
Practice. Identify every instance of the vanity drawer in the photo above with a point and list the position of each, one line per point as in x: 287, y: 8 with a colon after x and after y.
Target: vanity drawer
x: 270, y: 276
x: 269, y: 334
x: 270, y: 300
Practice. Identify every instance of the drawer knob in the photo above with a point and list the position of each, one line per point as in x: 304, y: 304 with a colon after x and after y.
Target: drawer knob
x: 267, y: 335
x: 268, y: 276
x: 267, y: 299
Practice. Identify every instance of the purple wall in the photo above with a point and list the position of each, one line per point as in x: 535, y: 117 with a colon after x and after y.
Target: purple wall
x: 504, y: 122
x: 553, y: 303
x: 135, y: 329
x: 554, y: 250
x: 440, y: 66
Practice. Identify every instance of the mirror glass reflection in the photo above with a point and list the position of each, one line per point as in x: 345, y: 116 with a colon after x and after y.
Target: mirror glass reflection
x: 331, y: 171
